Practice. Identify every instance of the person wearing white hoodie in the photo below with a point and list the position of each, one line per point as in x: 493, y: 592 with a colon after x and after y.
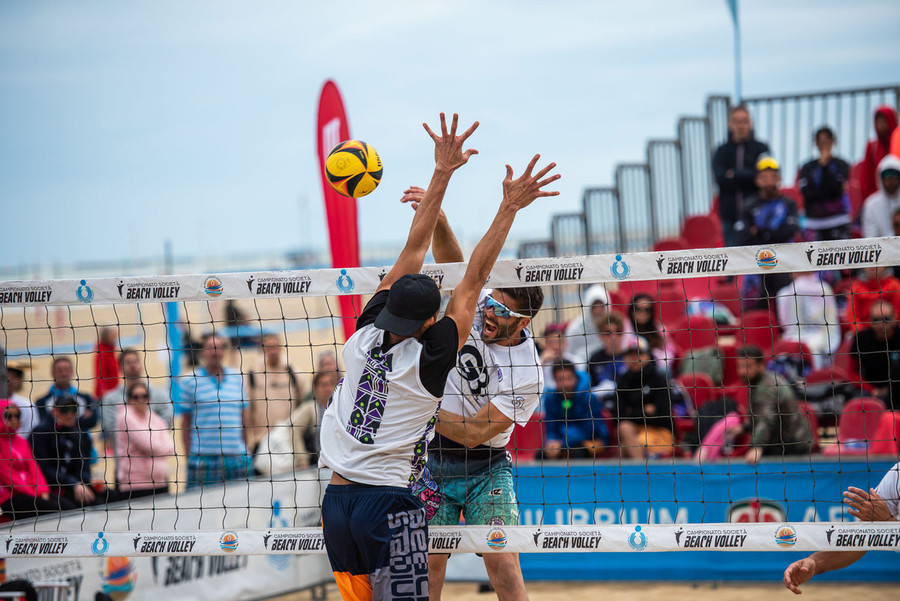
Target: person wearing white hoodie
x: 879, y: 208
x: 582, y: 338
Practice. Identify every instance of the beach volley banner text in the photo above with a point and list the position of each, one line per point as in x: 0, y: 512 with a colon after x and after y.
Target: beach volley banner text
x: 778, y: 258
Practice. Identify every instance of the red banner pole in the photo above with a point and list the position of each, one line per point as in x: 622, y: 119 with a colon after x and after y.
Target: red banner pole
x: 340, y: 211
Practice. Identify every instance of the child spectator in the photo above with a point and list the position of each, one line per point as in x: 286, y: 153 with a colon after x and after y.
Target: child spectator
x: 575, y: 429
x: 23, y: 489
x: 144, y: 442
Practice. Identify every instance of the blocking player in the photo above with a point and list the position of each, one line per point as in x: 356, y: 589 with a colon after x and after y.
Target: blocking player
x: 879, y: 504
x: 375, y: 433
x: 496, y: 384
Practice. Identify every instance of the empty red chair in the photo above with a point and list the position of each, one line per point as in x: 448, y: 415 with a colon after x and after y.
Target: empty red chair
x: 758, y: 328
x: 702, y: 231
x: 699, y: 387
x: 886, y: 439
x: 848, y: 363
x: 671, y: 305
x: 694, y: 333
x: 671, y: 244
x: 729, y: 354
x: 526, y: 441
x: 728, y: 295
x: 858, y: 424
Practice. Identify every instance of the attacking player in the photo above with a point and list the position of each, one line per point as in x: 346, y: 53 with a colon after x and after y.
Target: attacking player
x: 496, y: 384
x: 375, y: 433
x: 880, y: 504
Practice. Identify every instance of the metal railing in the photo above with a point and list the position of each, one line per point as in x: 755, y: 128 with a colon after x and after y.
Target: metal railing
x: 649, y: 201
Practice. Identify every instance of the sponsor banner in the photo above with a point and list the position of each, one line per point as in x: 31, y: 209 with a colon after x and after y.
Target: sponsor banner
x: 146, y: 552
x: 843, y: 254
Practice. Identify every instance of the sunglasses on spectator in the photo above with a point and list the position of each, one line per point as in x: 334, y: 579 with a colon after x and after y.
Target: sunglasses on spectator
x: 643, y: 309
x: 890, y: 173
x: 500, y: 310
x: 139, y: 396
x: 885, y: 319
x: 68, y: 409
x: 12, y: 415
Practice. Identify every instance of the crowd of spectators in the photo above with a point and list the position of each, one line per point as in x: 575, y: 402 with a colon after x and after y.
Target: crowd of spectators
x: 51, y: 449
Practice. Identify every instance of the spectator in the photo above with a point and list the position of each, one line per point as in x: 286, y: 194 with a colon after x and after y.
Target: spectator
x: 823, y: 183
x: 642, y: 316
x: 877, y: 349
x: 581, y: 333
x: 734, y: 165
x: 876, y: 285
x: 106, y: 367
x: 643, y: 406
x: 63, y: 452
x: 877, y: 149
x: 878, y: 208
x: 62, y: 370
x: 574, y: 426
x: 768, y: 217
x: 776, y: 426
x: 215, y: 415
x: 608, y: 361
x: 294, y: 443
x: 29, y: 418
x: 23, y: 489
x: 807, y: 313
x: 554, y: 349
x: 133, y: 373
x: 274, y: 390
x: 145, y: 442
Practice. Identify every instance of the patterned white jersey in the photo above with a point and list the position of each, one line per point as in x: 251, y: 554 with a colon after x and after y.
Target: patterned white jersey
x: 889, y: 490
x: 381, y: 417
x: 510, y: 377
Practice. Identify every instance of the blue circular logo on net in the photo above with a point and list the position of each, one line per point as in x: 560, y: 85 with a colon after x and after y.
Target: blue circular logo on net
x: 345, y: 282
x: 637, y: 540
x: 100, y: 545
x: 84, y: 292
x: 620, y: 269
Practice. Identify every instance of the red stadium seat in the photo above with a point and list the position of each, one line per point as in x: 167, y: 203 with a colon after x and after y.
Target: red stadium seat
x: 671, y: 305
x: 670, y: 244
x: 728, y: 295
x: 794, y: 348
x: 528, y: 440
x: 702, y: 231
x: 758, y: 328
x: 857, y: 426
x: 845, y: 361
x: 699, y: 387
x: 694, y: 333
x: 813, y: 420
x: 729, y: 354
x: 886, y: 439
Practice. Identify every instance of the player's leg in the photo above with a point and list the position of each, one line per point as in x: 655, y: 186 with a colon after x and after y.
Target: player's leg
x: 450, y: 479
x: 630, y: 444
x: 347, y: 564
x: 437, y: 571
x: 491, y: 500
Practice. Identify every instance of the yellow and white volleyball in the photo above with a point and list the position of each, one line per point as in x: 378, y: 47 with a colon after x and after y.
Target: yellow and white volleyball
x: 353, y: 168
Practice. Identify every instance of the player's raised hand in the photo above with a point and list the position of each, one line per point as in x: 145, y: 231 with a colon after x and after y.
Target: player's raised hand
x: 413, y: 195
x: 521, y: 192
x: 866, y: 506
x: 798, y: 573
x: 448, y: 152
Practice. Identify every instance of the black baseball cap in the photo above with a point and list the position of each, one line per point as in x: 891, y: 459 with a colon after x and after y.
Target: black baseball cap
x: 65, y: 400
x: 411, y: 301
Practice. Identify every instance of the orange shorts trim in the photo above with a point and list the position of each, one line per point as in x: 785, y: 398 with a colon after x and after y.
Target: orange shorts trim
x: 353, y: 587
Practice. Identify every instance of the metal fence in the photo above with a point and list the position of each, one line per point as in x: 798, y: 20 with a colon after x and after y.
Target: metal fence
x: 649, y: 201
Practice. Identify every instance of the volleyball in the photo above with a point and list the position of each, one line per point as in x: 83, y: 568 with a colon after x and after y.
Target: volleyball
x: 353, y: 168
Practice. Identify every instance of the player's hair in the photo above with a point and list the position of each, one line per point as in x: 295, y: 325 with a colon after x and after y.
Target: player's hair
x: 321, y: 374
x: 206, y: 337
x: 826, y: 131
x: 612, y: 318
x: 143, y: 385
x: 528, y: 298
x: 127, y: 351
x: 59, y: 360
x: 564, y: 365
x: 740, y: 107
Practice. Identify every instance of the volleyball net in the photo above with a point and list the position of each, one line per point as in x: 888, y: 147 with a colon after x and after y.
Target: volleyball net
x: 685, y: 365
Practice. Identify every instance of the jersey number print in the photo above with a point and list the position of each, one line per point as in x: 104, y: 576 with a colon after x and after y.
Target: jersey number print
x: 471, y: 368
x: 371, y: 393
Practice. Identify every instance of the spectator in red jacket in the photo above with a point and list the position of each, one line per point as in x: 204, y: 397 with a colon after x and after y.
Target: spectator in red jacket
x: 106, y: 366
x: 876, y: 284
x: 23, y: 489
x: 877, y: 149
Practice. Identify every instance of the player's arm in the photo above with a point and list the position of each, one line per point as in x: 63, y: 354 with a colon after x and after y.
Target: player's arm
x: 448, y: 157
x: 444, y: 245
x: 476, y: 430
x: 819, y: 562
x: 517, y: 194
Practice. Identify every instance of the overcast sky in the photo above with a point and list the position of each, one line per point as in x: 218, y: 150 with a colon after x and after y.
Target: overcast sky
x: 126, y: 123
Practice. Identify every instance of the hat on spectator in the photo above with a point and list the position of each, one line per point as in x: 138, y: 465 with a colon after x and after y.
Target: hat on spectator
x: 637, y: 343
x: 18, y: 366
x: 766, y: 162
x: 411, y: 301
x: 554, y: 328
x: 65, y: 400
x: 596, y: 294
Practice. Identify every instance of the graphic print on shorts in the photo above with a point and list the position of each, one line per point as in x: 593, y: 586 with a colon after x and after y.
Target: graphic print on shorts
x: 371, y: 393
x: 471, y: 368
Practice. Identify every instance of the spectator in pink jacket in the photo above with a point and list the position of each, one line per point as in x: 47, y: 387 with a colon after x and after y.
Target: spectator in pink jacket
x: 23, y: 489
x: 145, y: 444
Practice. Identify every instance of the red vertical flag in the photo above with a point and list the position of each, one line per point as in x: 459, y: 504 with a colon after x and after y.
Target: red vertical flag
x: 343, y: 234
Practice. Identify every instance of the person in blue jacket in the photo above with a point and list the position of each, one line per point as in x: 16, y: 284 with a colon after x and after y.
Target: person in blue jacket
x: 572, y: 416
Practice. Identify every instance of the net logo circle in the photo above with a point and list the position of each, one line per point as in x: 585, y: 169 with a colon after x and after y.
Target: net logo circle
x: 496, y: 538
x: 785, y: 537
x: 213, y: 286
x: 228, y: 542
x: 767, y: 259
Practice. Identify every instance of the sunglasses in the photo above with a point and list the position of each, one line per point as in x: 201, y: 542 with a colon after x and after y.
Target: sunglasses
x: 139, y: 396
x: 12, y: 415
x: 882, y: 319
x: 501, y: 310
x: 68, y: 409
x: 643, y: 310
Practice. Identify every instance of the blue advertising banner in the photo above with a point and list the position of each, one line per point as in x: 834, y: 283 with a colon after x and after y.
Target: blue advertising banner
x: 676, y: 493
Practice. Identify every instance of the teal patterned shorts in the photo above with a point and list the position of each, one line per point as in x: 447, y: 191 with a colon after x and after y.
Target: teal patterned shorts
x: 484, y: 497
